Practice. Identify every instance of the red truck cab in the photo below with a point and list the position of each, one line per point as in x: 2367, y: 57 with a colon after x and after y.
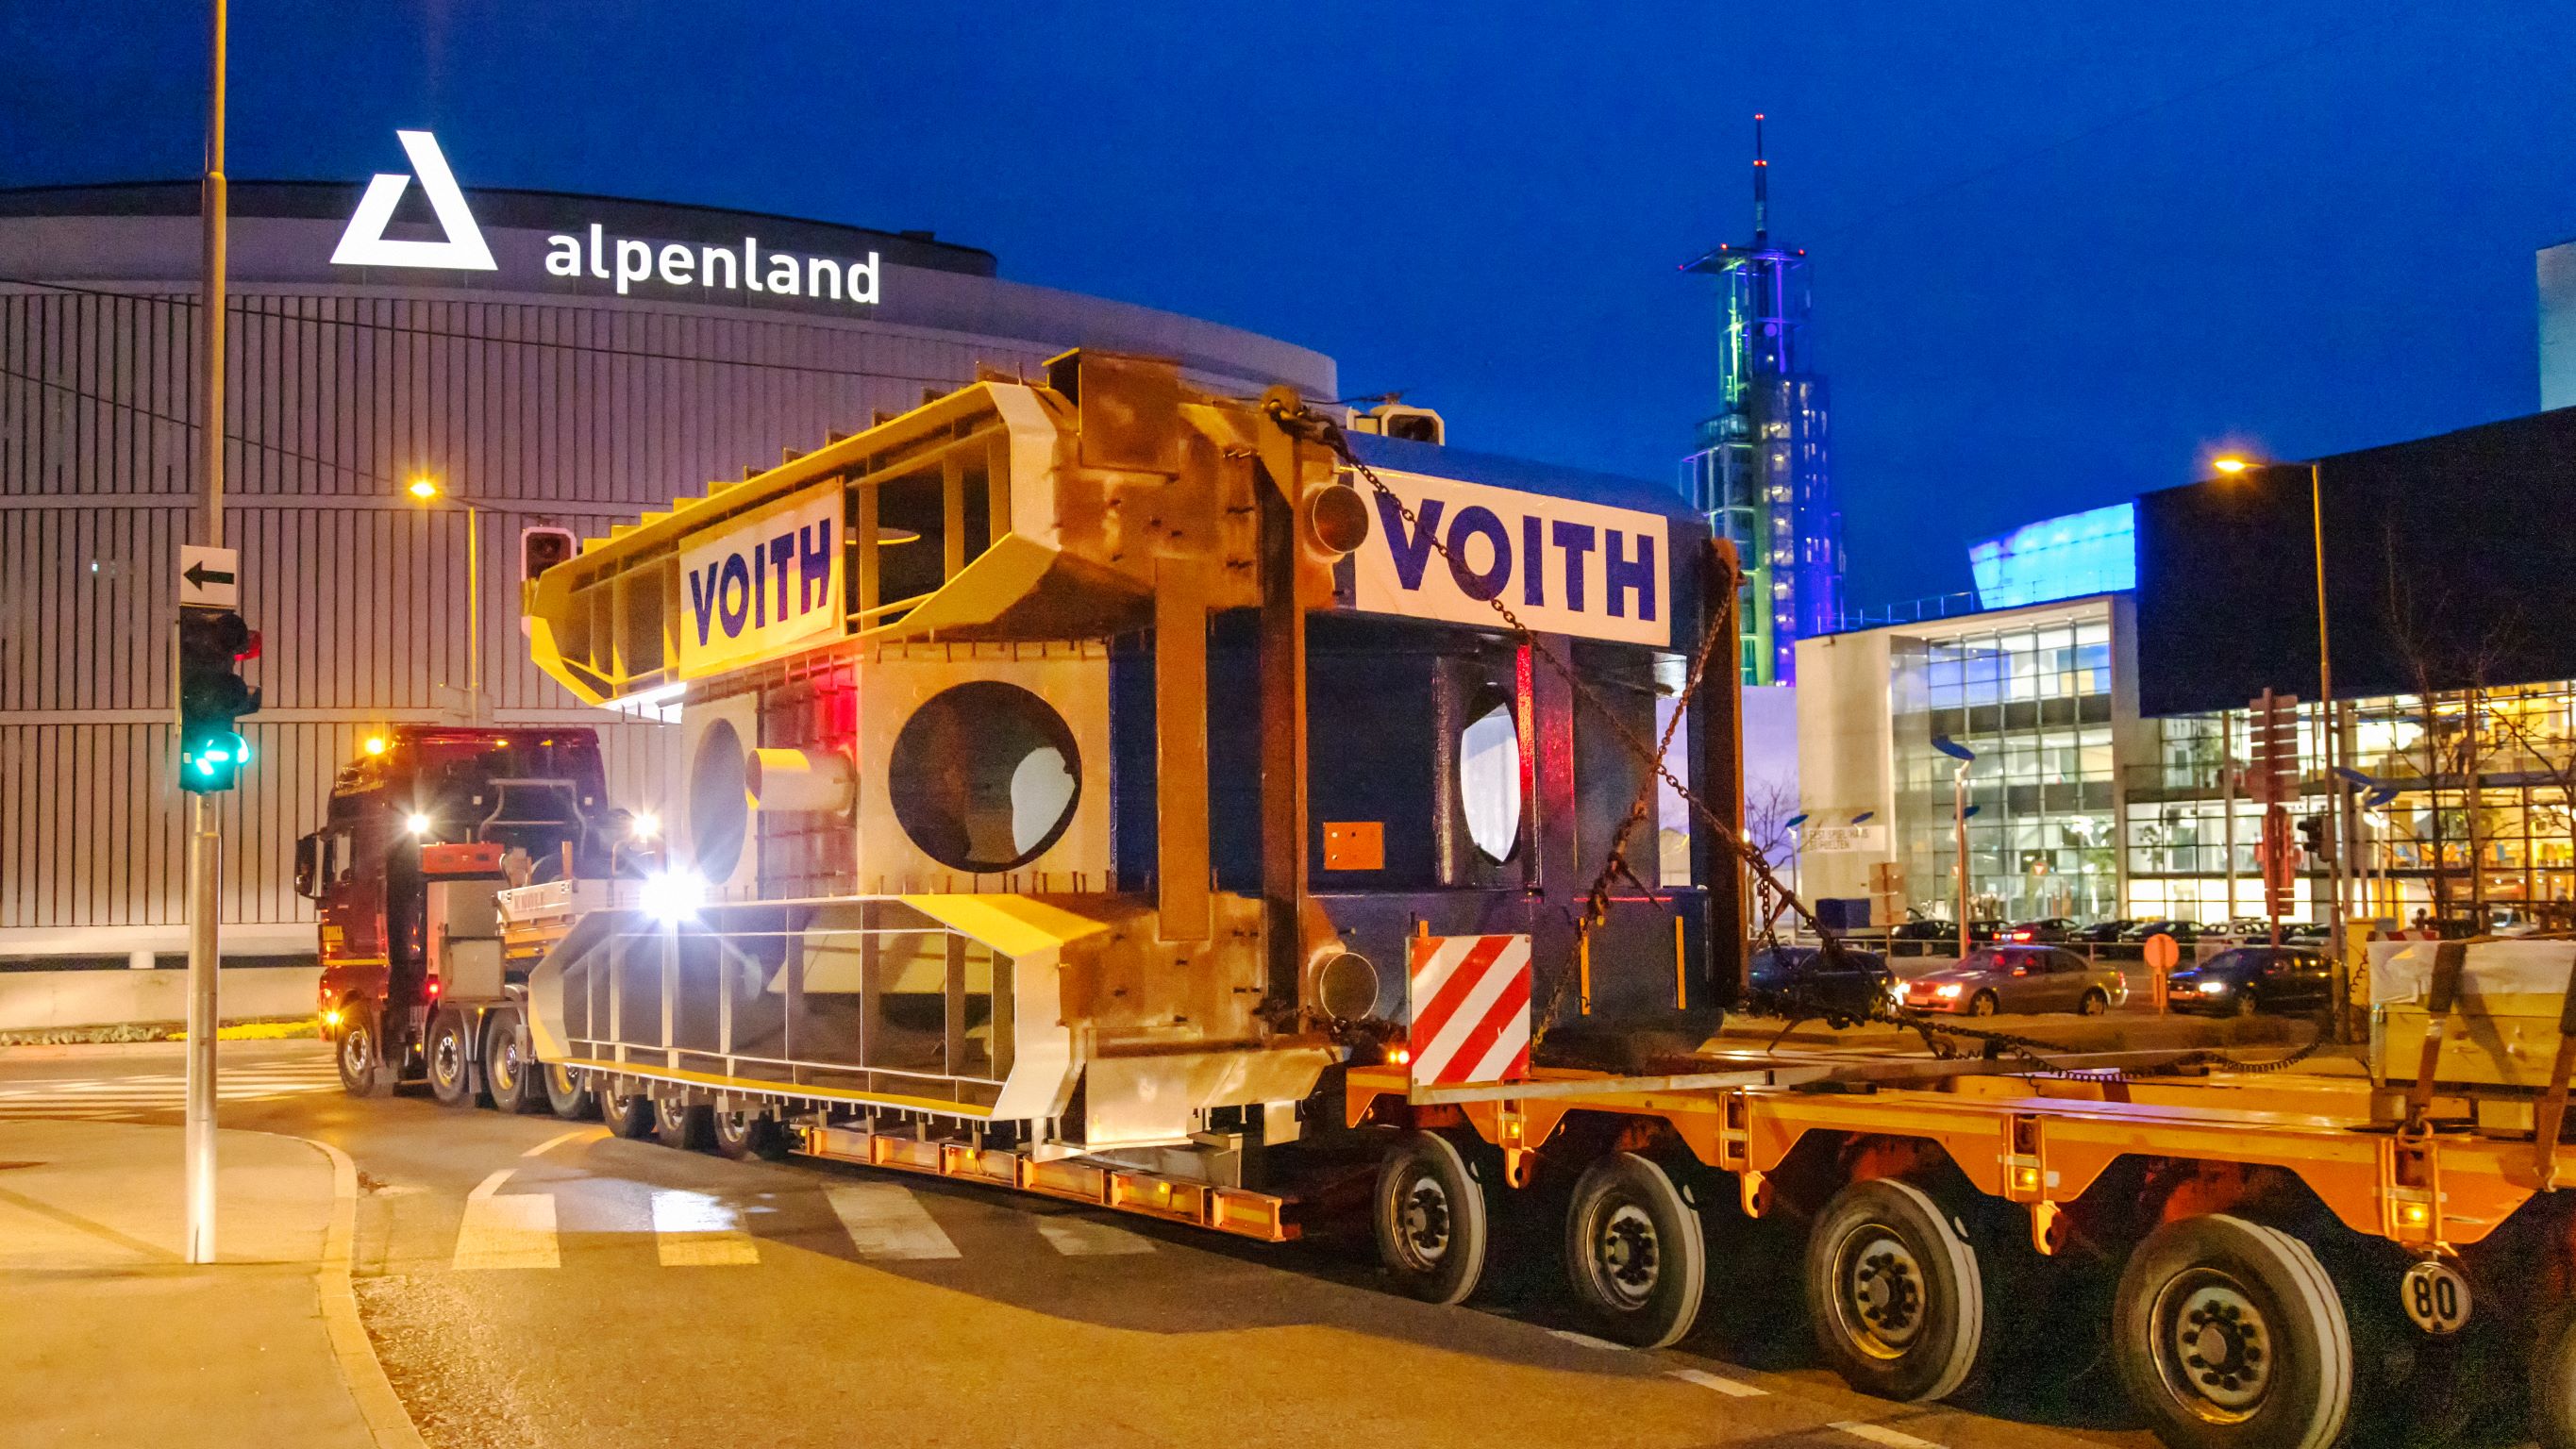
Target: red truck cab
x: 426, y: 826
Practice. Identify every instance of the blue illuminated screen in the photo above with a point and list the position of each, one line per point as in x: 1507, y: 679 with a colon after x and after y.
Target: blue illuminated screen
x: 2093, y: 552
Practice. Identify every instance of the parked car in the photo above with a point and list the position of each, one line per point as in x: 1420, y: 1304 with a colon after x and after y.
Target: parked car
x: 1802, y: 981
x: 2248, y: 979
x: 2048, y: 931
x: 2104, y: 933
x: 1919, y: 927
x: 2019, y: 979
x: 2183, y: 932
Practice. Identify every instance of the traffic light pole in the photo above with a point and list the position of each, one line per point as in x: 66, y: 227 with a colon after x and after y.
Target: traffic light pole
x: 205, y: 841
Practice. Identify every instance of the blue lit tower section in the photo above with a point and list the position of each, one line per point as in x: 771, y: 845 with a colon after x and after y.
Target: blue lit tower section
x: 1760, y: 473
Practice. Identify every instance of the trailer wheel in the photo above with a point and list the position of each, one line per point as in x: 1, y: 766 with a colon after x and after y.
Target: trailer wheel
x: 1634, y: 1252
x: 628, y: 1115
x: 451, y: 1074
x: 506, y: 1070
x: 2229, y: 1335
x: 1432, y: 1228
x: 2553, y: 1380
x: 568, y: 1093
x: 1895, y: 1293
x: 678, y: 1124
x: 364, y: 1072
x: 747, y: 1132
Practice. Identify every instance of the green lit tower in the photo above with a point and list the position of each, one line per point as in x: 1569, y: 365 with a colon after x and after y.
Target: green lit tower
x: 1761, y: 470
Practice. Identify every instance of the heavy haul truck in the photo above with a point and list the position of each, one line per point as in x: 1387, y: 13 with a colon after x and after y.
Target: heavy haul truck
x: 1103, y: 788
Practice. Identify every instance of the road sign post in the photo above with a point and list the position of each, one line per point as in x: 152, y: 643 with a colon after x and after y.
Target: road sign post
x: 205, y: 844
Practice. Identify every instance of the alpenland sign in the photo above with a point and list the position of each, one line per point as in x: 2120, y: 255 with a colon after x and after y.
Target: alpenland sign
x: 622, y: 261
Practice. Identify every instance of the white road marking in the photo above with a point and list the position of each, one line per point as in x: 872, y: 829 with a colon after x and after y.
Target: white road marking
x: 94, y: 1098
x: 885, y: 1220
x: 1729, y: 1387
x: 693, y: 1230
x: 506, y: 1232
x: 1881, y: 1434
x: 1082, y: 1238
x: 1587, y: 1340
x: 551, y: 1143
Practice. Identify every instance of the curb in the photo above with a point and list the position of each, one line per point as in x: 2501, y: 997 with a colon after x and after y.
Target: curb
x: 388, y: 1422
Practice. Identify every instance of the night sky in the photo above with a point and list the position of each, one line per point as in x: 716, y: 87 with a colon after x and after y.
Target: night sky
x: 2060, y: 246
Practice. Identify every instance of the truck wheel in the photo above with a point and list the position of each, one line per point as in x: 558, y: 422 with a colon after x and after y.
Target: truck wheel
x: 451, y: 1075
x: 1430, y: 1216
x: 743, y: 1133
x: 364, y: 1072
x: 2553, y: 1380
x: 508, y: 1072
x: 679, y: 1124
x: 1894, y: 1291
x: 2229, y: 1335
x: 627, y: 1115
x: 568, y: 1093
x: 1634, y: 1252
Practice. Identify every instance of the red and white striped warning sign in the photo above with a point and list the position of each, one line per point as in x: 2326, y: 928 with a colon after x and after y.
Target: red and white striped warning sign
x: 1471, y: 1008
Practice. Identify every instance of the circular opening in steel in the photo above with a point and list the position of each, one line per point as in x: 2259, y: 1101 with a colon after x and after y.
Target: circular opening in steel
x: 984, y: 777
x: 1346, y: 986
x: 1337, y: 518
x: 719, y: 802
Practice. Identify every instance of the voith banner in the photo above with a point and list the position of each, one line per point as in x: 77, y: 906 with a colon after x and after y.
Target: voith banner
x: 762, y: 585
x: 1564, y: 567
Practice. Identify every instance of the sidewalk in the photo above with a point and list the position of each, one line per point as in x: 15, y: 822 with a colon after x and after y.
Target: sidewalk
x: 114, y: 1340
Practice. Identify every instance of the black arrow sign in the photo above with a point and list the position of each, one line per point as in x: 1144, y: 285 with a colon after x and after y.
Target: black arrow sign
x: 198, y: 576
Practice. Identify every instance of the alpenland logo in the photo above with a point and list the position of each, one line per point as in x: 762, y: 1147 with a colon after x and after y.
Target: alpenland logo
x: 622, y: 261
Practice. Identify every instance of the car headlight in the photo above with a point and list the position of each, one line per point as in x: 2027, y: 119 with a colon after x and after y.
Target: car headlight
x: 1949, y: 990
x: 2213, y: 988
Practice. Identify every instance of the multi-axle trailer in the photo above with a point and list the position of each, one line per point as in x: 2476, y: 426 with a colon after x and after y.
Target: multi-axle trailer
x: 1101, y: 788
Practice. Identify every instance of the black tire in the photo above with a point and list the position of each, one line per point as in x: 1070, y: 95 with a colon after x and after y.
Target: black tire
x: 450, y: 1065
x: 1634, y: 1252
x: 364, y: 1072
x: 1983, y: 1003
x: 2553, y: 1380
x: 1895, y: 1293
x: 509, y: 1074
x: 1431, y: 1221
x: 2246, y: 1004
x: 2229, y: 1335
x: 568, y: 1093
x: 628, y: 1114
x: 2095, y: 1003
x: 744, y: 1132
x: 678, y: 1123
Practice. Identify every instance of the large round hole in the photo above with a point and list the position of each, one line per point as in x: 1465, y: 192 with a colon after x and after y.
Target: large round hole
x: 719, y: 802
x: 1489, y: 782
x: 984, y: 777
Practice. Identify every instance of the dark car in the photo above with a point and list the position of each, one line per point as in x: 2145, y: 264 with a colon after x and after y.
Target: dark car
x: 2183, y: 932
x: 2103, y: 933
x: 2249, y: 979
x: 2048, y: 931
x: 2018, y: 979
x: 1802, y: 981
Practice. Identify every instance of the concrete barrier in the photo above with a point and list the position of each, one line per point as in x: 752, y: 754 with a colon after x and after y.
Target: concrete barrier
x: 44, y: 1000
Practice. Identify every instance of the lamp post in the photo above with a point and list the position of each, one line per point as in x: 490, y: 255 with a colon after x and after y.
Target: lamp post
x: 1959, y: 823
x: 427, y: 490
x: 2330, y: 735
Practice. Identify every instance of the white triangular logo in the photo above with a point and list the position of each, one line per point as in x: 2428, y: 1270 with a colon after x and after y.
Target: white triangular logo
x: 364, y: 243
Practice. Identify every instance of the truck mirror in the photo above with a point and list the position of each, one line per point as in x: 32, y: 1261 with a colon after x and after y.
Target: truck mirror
x: 308, y: 867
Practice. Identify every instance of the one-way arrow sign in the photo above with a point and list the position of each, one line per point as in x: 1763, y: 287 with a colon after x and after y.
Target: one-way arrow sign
x: 209, y: 577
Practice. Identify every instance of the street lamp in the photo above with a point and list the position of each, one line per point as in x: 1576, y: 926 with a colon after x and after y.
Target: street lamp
x: 427, y: 490
x: 2234, y: 465
x: 1959, y: 823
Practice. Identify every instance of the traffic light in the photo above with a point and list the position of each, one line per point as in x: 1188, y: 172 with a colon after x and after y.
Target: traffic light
x: 212, y: 645
x: 2312, y: 837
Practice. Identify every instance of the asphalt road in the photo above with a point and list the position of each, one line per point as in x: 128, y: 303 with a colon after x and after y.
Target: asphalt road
x: 531, y: 1282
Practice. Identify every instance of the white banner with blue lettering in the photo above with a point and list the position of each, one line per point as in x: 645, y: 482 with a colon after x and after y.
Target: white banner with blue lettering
x: 762, y: 585
x: 1564, y: 567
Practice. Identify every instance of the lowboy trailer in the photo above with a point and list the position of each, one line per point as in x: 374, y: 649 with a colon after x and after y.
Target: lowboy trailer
x: 1099, y: 787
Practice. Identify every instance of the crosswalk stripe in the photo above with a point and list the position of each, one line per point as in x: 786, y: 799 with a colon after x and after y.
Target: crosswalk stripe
x: 693, y: 1230
x: 884, y: 1220
x: 1881, y: 1434
x: 1729, y: 1387
x: 506, y: 1232
x: 1585, y: 1340
x: 1082, y: 1238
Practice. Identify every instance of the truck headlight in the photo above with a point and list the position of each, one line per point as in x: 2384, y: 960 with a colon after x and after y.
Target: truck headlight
x: 673, y: 895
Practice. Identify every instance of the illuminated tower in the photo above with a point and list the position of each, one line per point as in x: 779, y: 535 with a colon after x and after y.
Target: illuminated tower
x: 1760, y: 472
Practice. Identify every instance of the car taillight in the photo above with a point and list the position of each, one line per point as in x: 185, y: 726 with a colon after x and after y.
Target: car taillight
x: 2021, y: 935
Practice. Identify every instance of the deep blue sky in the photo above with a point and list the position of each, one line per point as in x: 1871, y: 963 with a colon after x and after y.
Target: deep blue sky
x: 1484, y: 204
